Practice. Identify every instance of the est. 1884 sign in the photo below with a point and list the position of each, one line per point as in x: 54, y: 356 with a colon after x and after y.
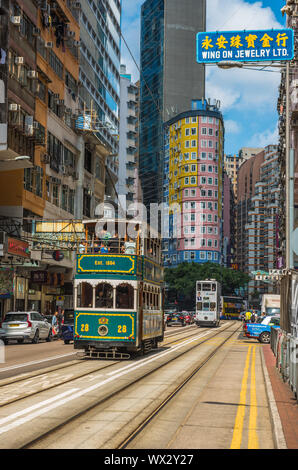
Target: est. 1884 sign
x: 245, y: 46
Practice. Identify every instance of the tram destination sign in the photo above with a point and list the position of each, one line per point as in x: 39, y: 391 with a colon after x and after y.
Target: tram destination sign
x: 245, y: 46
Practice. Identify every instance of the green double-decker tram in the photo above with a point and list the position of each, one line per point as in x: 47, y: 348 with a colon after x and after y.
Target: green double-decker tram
x: 118, y: 293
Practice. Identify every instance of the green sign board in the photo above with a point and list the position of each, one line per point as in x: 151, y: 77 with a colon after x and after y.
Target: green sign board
x: 112, y: 264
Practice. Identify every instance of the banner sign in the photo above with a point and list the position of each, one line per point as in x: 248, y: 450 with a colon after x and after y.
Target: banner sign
x: 245, y: 46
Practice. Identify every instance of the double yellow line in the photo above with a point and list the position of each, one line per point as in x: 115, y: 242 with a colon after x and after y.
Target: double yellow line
x: 253, y: 442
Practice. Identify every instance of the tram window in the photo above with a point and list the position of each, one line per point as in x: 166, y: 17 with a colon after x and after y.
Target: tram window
x: 125, y: 296
x: 199, y: 306
x: 206, y: 288
x: 213, y: 287
x: 206, y: 306
x: 199, y: 287
x: 85, y: 295
x: 212, y: 306
x: 104, y: 296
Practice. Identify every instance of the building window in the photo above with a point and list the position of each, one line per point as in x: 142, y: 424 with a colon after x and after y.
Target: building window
x: 194, y: 119
x: 203, y: 230
x: 204, y: 143
x: 193, y: 180
x: 193, y: 192
x: 186, y: 156
x: 210, y: 144
x: 215, y: 256
x: 186, y: 180
x: 186, y: 256
x: 203, y: 205
x: 210, y: 181
x: 210, y: 193
x: 209, y: 256
x: 187, y: 132
x: 210, y: 169
x: 210, y: 156
x: 203, y: 155
x: 209, y: 217
x: 203, y: 242
x: 204, y: 131
x: 203, y: 192
x: 210, y: 131
x: 203, y: 180
x: 193, y: 155
x: 193, y: 143
x: 202, y: 255
x: 204, y: 119
x: 192, y: 255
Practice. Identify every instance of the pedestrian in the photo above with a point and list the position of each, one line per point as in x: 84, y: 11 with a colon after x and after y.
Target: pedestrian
x: 59, y: 320
x: 253, y: 318
x: 54, y: 324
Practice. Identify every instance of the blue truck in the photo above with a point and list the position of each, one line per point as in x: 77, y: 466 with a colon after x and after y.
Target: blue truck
x: 261, y: 331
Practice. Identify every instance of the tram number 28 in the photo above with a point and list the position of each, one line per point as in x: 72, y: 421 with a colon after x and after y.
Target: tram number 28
x: 85, y: 327
x: 122, y: 328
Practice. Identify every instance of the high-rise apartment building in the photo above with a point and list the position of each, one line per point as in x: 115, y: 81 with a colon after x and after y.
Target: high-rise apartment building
x: 289, y: 208
x: 257, y: 216
x: 170, y: 78
x: 232, y: 164
x: 194, y: 145
x: 126, y: 185
x: 99, y: 95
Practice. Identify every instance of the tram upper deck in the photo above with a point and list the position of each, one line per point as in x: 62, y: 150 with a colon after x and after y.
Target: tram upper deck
x: 120, y: 247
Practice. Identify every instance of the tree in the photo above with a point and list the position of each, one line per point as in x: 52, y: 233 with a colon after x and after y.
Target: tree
x: 181, y: 281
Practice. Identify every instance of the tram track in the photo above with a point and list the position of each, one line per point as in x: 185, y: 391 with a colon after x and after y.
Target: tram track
x: 123, y: 388
x: 64, y: 367
x: 142, y: 426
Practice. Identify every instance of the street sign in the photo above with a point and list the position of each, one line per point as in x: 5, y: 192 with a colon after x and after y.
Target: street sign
x: 245, y: 46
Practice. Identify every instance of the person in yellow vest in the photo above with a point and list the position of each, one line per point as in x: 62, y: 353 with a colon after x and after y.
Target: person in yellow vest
x: 248, y: 316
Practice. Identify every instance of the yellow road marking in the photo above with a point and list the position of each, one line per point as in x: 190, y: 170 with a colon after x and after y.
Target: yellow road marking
x: 238, y: 427
x: 253, y: 442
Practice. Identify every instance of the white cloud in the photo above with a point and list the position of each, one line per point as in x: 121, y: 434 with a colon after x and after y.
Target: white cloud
x: 240, y: 88
x: 232, y: 127
x: 262, y: 139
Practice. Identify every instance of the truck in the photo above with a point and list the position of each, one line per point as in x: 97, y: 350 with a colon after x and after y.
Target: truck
x: 270, y: 304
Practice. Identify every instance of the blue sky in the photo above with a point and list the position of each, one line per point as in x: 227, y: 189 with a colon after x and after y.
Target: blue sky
x: 248, y: 98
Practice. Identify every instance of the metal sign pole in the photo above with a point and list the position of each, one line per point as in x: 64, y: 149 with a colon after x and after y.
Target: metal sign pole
x: 288, y: 234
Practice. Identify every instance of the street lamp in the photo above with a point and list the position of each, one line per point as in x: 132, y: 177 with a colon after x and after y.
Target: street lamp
x: 229, y: 64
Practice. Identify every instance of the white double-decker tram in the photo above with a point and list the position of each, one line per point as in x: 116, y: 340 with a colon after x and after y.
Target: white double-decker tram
x: 208, y: 294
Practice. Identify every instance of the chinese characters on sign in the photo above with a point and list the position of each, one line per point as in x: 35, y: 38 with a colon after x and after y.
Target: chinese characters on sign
x: 245, y: 46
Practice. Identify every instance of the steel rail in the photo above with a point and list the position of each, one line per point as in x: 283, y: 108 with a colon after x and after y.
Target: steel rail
x: 104, y: 399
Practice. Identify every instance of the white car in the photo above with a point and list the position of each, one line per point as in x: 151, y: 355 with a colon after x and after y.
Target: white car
x: 21, y: 326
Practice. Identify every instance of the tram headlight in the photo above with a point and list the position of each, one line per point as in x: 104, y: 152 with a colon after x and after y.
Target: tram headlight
x: 103, y: 330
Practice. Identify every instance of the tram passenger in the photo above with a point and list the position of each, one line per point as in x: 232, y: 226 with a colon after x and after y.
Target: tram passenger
x: 130, y: 247
x: 96, y: 248
x: 103, y: 248
x: 114, y: 243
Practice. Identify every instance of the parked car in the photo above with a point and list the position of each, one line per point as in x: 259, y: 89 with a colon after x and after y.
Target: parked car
x: 23, y: 326
x: 176, y: 319
x: 68, y: 325
x: 261, y: 331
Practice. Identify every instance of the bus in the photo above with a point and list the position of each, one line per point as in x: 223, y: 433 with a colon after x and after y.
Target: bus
x: 208, y: 294
x: 231, y: 307
x: 118, y: 291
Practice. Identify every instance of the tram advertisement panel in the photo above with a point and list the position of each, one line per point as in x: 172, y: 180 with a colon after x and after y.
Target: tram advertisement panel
x: 105, y: 326
x: 117, y: 264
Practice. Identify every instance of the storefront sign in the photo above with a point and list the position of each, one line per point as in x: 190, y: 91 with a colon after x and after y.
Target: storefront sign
x: 61, y: 234
x: 21, y: 288
x: 39, y: 277
x: 245, y: 46
x: 18, y: 247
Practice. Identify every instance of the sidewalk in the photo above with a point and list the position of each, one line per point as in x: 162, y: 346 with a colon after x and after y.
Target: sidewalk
x: 285, y: 400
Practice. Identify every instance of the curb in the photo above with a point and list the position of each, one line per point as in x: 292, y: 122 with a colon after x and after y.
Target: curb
x: 278, y: 434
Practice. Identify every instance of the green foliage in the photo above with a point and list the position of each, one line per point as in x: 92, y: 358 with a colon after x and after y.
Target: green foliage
x: 181, y: 281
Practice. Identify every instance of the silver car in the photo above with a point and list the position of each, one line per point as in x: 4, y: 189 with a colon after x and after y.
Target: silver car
x: 25, y: 325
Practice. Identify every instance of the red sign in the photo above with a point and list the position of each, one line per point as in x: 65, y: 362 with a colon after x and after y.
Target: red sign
x: 18, y: 248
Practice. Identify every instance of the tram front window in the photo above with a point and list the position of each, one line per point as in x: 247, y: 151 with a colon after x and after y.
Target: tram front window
x: 85, y: 295
x: 104, y: 296
x: 125, y: 296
